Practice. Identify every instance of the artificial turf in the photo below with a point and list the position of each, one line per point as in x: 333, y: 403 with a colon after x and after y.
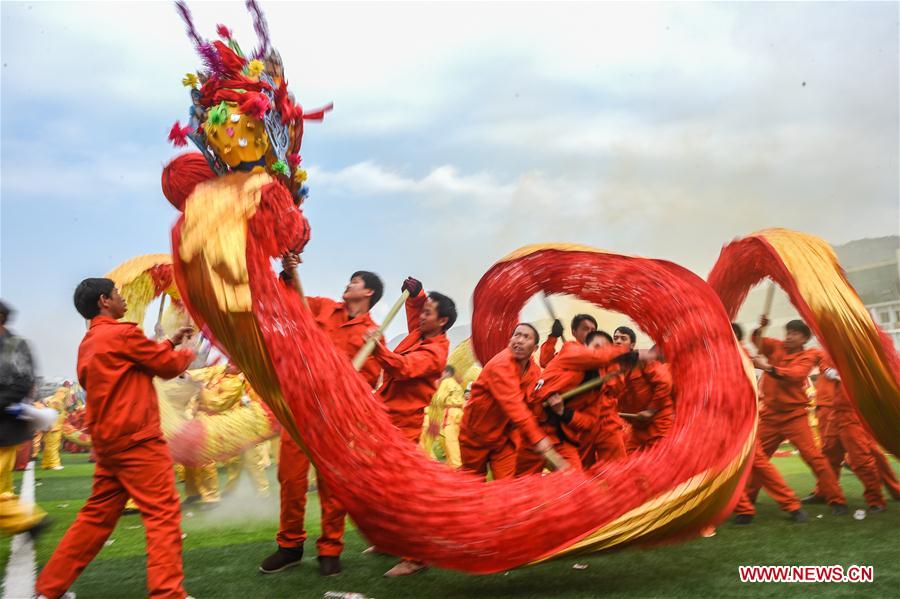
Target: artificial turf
x: 223, y: 548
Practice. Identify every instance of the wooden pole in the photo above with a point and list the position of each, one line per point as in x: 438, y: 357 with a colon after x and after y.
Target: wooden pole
x: 549, y: 308
x: 162, y: 305
x: 369, y: 346
x: 591, y: 384
x: 770, y: 296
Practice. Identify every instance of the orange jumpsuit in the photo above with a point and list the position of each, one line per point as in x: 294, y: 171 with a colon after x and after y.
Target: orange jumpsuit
x: 548, y: 351
x: 645, y: 386
x: 497, y: 415
x: 824, y: 394
x: 845, y: 434
x: 572, y: 366
x: 764, y: 474
x: 411, y: 372
x: 885, y: 470
x: 605, y: 442
x: 116, y: 366
x: 784, y: 413
x: 824, y: 405
x: 348, y: 335
x: 825, y: 390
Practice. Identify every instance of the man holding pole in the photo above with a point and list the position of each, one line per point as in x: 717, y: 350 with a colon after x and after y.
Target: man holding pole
x: 346, y: 323
x: 764, y: 474
x: 644, y: 396
x: 582, y: 324
x: 786, y: 366
x: 564, y: 422
x: 412, y: 370
x: 497, y: 420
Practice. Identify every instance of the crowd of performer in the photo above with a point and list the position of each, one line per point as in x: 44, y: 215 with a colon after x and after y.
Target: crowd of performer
x: 581, y: 399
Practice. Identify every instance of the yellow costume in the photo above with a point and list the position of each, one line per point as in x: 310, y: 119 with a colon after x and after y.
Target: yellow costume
x: 450, y: 395
x: 6, y: 474
x: 14, y: 517
x: 224, y: 391
x: 274, y: 450
x: 252, y: 461
x: 431, y: 423
x: 199, y: 481
x: 52, y: 438
x: 202, y: 482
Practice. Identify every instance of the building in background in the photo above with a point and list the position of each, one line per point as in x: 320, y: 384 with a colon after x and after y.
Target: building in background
x: 873, y: 268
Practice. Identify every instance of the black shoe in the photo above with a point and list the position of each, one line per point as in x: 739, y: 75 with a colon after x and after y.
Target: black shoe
x: 813, y: 499
x: 40, y: 528
x: 876, y: 509
x: 130, y: 511
x: 190, y: 499
x: 839, y: 509
x: 799, y: 516
x: 329, y: 565
x: 743, y: 519
x: 282, y: 559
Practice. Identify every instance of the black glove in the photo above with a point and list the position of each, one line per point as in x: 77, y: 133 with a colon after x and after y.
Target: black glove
x: 557, y: 329
x: 552, y: 417
x: 414, y: 286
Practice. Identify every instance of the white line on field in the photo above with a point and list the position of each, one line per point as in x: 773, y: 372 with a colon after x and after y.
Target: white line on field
x: 20, y: 570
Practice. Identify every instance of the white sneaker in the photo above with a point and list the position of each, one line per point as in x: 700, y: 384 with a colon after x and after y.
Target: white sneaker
x: 62, y: 468
x: 66, y: 595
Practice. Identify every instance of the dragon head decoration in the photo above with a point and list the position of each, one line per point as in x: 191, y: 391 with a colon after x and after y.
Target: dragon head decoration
x: 242, y: 117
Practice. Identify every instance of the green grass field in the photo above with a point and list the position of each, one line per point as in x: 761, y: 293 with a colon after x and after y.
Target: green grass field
x: 224, y: 547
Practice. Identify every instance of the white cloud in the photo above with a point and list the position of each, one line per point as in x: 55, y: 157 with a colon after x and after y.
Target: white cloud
x: 40, y: 171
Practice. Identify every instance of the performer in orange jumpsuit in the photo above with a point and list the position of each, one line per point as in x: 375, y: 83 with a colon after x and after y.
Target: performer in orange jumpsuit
x: 605, y: 441
x: 824, y: 394
x: 582, y: 324
x: 564, y: 423
x: 645, y: 392
x: 412, y: 371
x: 846, y: 434
x: 346, y: 323
x: 764, y: 474
x: 786, y: 366
x: 497, y: 419
x: 116, y: 366
x: 826, y: 388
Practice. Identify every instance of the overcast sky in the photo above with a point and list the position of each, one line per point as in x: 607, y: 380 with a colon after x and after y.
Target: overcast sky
x: 460, y: 132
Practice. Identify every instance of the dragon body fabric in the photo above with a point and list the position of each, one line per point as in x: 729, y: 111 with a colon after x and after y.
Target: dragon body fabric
x: 240, y: 213
x: 808, y: 270
x: 223, y: 246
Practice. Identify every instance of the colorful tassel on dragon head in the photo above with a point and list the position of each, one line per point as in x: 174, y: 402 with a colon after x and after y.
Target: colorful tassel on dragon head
x: 242, y: 116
